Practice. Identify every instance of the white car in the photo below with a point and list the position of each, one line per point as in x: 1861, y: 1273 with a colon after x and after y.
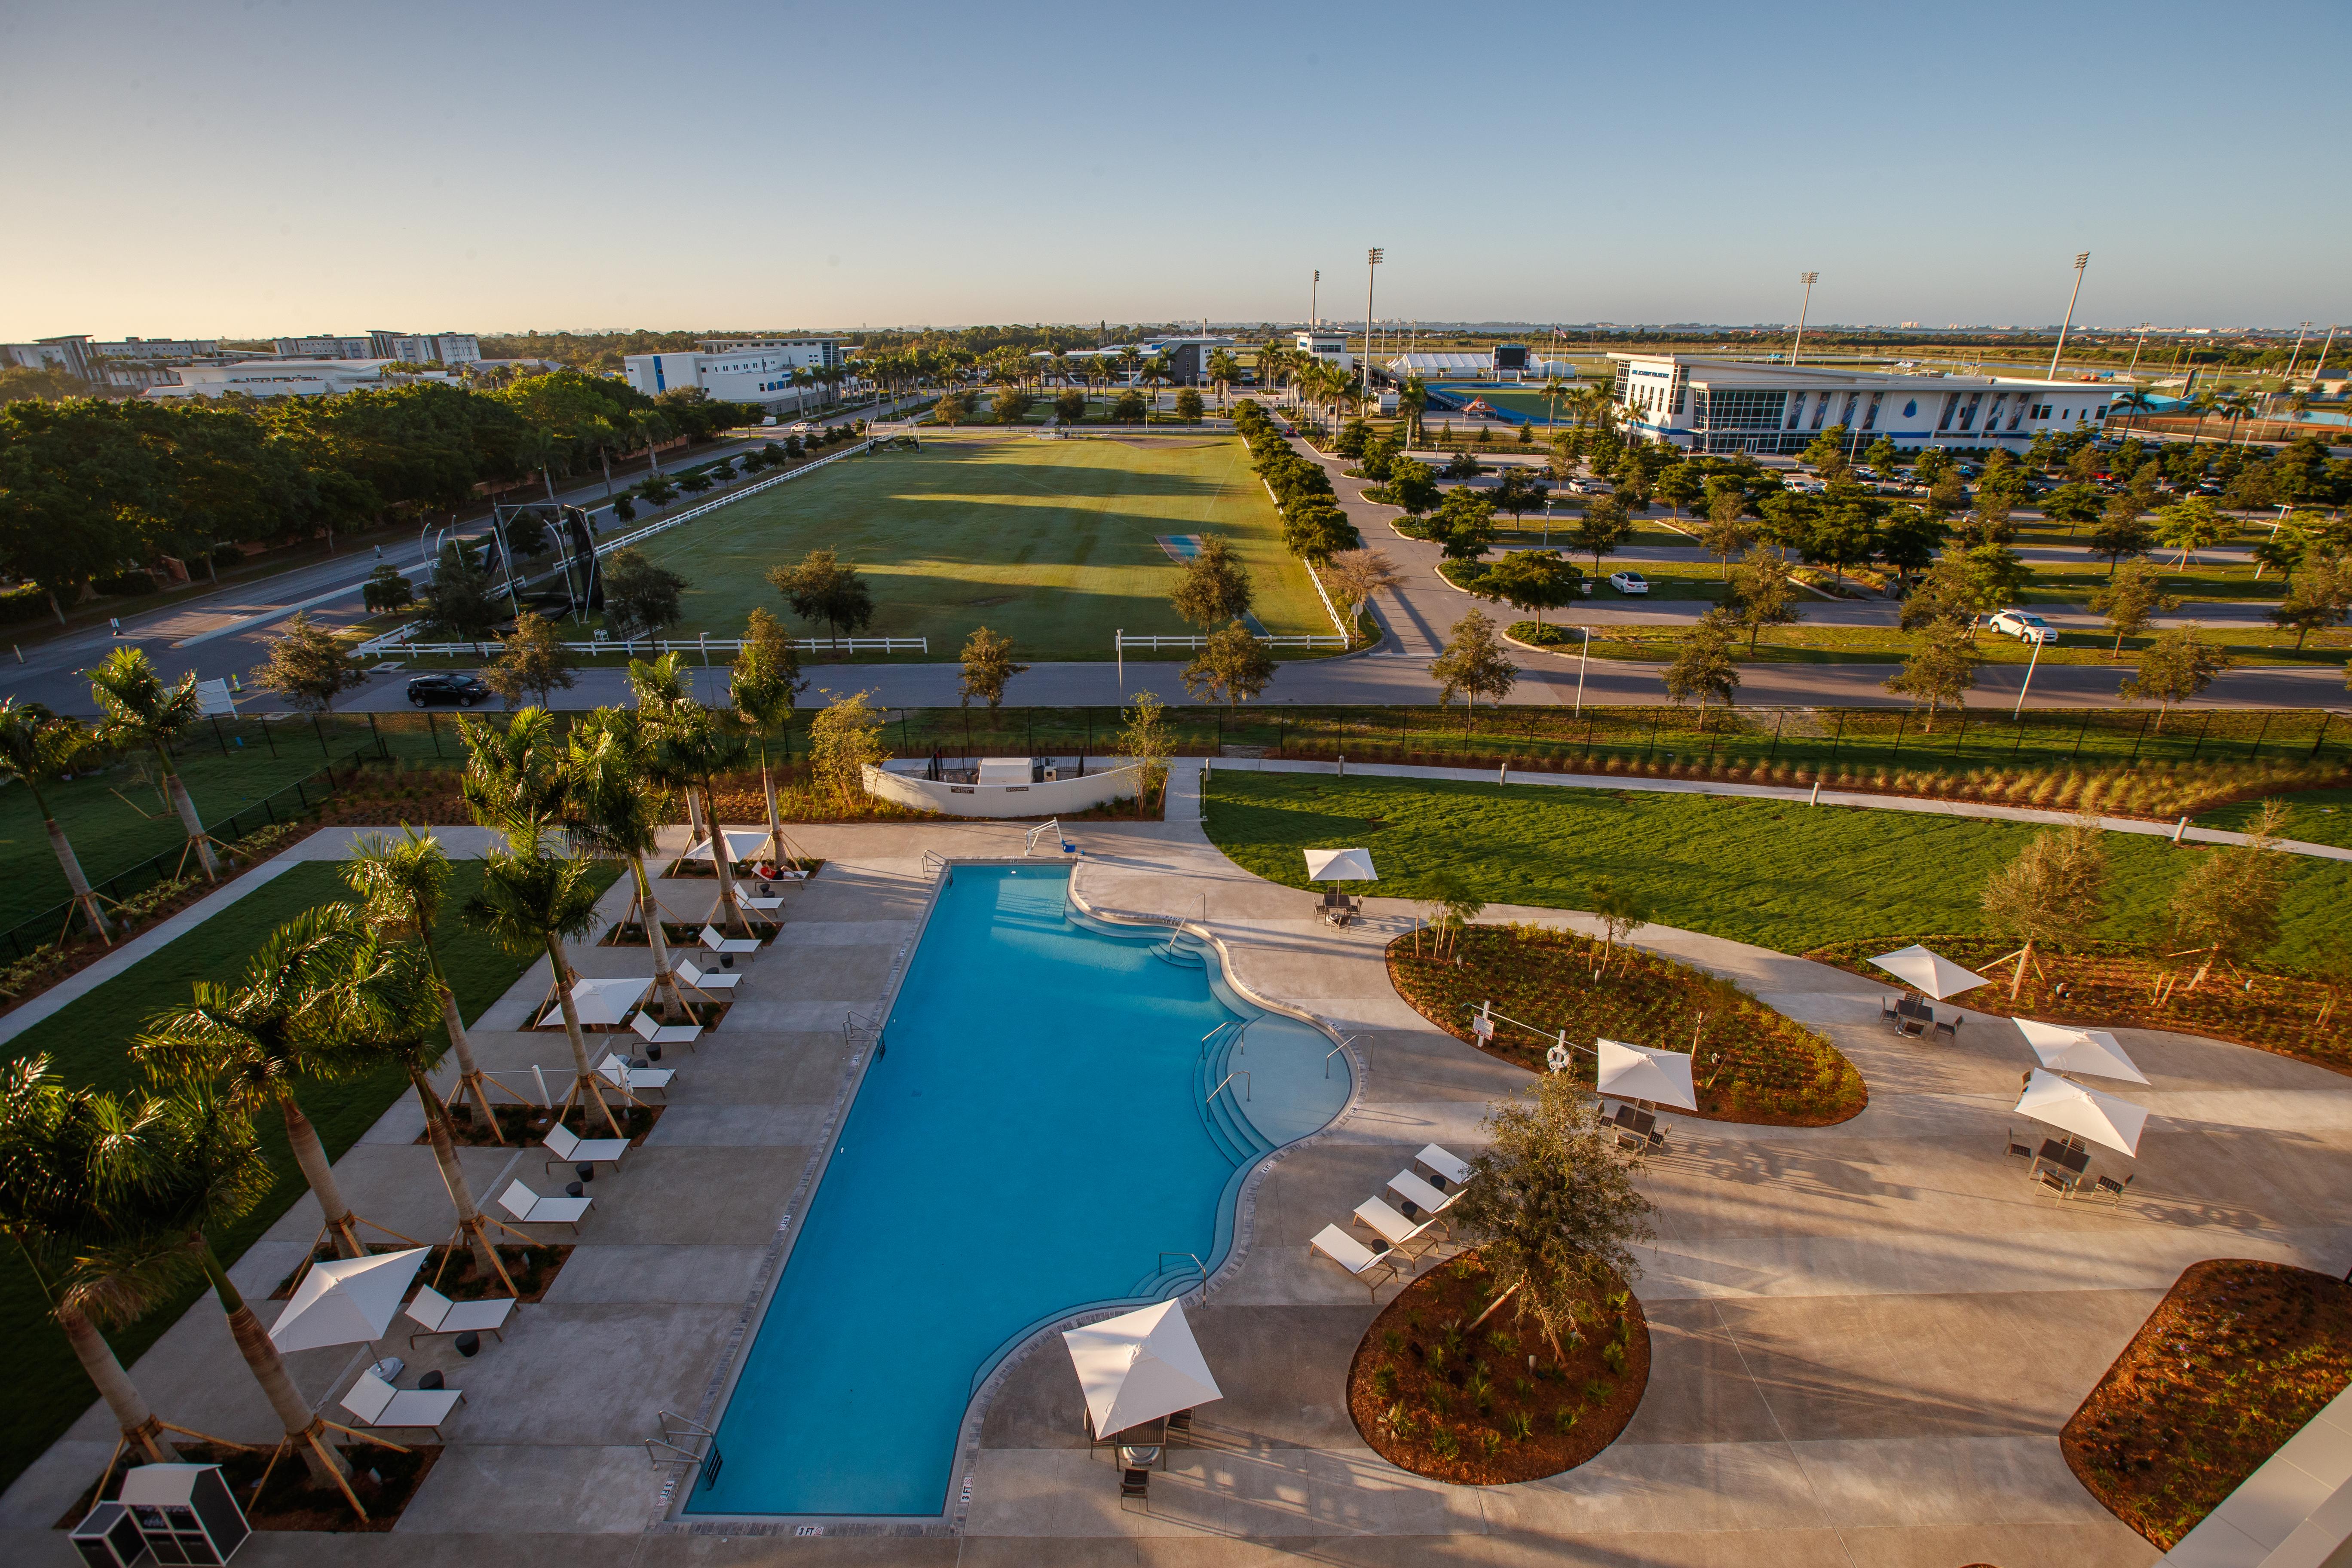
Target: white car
x: 1629, y: 581
x: 2024, y: 626
x: 1581, y: 486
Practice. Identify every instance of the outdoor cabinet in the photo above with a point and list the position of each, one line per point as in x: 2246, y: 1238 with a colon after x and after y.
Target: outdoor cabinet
x: 108, y: 1538
x: 185, y: 1512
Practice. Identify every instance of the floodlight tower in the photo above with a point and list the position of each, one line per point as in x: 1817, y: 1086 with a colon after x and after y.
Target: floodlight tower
x: 1797, y: 349
x: 2080, y: 262
x: 1371, y: 271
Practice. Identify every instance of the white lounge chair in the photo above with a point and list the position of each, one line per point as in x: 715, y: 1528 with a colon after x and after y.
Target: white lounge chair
x: 1450, y: 1169
x: 377, y: 1404
x: 1354, y: 1256
x: 1414, y: 1239
x: 569, y: 1148
x: 1418, y: 1193
x: 531, y: 1209
x: 765, y: 905
x: 654, y: 1034
x: 440, y: 1315
x: 705, y: 979
x: 616, y: 1071
x: 712, y: 940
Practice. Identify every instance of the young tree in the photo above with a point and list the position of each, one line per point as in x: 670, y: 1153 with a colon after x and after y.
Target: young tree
x: 1827, y: 452
x: 1317, y: 531
x: 824, y: 588
x: 1703, y: 666
x: 533, y: 662
x: 954, y: 409
x: 641, y: 597
x: 987, y: 666
x: 1622, y: 911
x: 140, y: 710
x: 1909, y: 539
x: 1215, y: 587
x: 37, y: 747
x: 1882, y: 455
x: 1602, y: 530
x: 1357, y: 575
x: 1531, y: 580
x: 1463, y: 527
x: 458, y: 602
x: 845, y: 739
x: 2228, y: 904
x: 1069, y: 405
x: 1678, y: 487
x: 764, y: 685
x: 1761, y: 595
x: 1145, y: 741
x: 2192, y: 524
x: 2130, y: 598
x: 1234, y: 667
x: 1941, y: 668
x: 2052, y: 893
x: 2072, y: 505
x: 2173, y: 669
x: 1413, y: 485
x: 1472, y: 663
x: 1189, y: 406
x: 387, y: 590
x: 1010, y: 406
x: 1447, y: 908
x: 1518, y: 492
x: 2318, y: 599
x: 1727, y: 532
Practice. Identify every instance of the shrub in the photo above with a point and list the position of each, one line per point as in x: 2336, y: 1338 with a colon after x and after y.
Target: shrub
x: 1444, y: 1444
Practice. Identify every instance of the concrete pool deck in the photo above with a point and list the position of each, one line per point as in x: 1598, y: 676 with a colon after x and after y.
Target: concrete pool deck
x: 1865, y: 1337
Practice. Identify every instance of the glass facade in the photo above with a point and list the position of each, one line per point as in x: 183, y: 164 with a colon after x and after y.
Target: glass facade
x: 1739, y: 410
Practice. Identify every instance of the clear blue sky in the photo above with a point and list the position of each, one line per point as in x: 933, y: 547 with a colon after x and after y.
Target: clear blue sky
x: 264, y: 166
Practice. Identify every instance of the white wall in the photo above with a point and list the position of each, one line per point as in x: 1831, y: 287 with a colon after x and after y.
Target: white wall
x: 1050, y: 798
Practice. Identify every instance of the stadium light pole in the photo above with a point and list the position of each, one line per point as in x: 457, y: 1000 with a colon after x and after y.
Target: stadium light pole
x: 1797, y: 349
x: 1371, y: 271
x: 2080, y: 262
x: 1314, y: 306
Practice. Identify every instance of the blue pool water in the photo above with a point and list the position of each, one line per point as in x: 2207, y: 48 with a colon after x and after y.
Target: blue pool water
x: 1031, y: 1140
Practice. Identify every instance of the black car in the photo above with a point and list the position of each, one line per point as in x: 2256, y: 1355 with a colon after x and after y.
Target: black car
x: 465, y: 690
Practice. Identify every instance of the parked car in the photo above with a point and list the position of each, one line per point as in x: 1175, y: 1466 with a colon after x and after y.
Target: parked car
x: 2024, y: 625
x: 1629, y: 581
x: 1583, y: 487
x: 465, y: 690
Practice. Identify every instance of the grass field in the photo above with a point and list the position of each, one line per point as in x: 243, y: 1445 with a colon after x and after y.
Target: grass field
x: 1052, y: 543
x: 1784, y: 875
x: 85, y: 1042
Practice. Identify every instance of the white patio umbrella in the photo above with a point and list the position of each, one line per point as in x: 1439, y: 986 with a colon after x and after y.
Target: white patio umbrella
x: 1140, y: 1366
x: 742, y: 844
x: 1931, y: 971
x: 2068, y: 1105
x: 1341, y: 865
x: 2093, y: 1051
x: 602, y: 1002
x: 348, y: 1301
x: 1636, y: 1072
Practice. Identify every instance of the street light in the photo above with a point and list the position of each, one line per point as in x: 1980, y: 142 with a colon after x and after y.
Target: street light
x: 1797, y: 349
x: 2080, y: 262
x: 1371, y: 271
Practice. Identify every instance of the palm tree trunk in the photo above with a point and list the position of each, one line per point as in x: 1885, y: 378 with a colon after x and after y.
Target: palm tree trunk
x: 122, y: 1397
x: 326, y: 1466
x: 720, y: 861
x: 311, y: 1156
x: 71, y: 864
x: 775, y: 818
x: 178, y: 791
x: 2024, y: 957
x: 591, y: 1085
x: 453, y: 1176
x: 470, y: 1075
x: 665, y: 979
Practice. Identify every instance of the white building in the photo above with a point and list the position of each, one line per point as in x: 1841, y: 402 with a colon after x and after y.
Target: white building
x: 274, y: 378
x: 156, y: 349
x: 328, y: 346
x: 1452, y: 365
x: 70, y: 354
x: 423, y: 348
x: 1330, y: 347
x: 1754, y: 405
x: 740, y: 370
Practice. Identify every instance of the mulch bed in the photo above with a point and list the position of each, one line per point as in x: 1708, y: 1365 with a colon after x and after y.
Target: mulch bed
x: 384, y: 1480
x: 527, y: 1124
x: 534, y: 1268
x: 811, y: 863
x: 2109, y: 985
x: 1484, y: 1409
x: 2233, y: 1362
x: 1753, y: 1065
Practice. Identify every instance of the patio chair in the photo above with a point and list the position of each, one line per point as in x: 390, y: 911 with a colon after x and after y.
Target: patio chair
x: 569, y: 1148
x: 1448, y: 1169
x: 531, y: 1209
x: 1135, y: 1483
x: 716, y: 942
x: 1180, y: 1428
x: 2020, y: 1151
x: 1951, y: 1026
x: 705, y: 979
x: 1887, y: 1007
x: 2109, y: 1188
x: 1354, y: 1256
x: 616, y: 1070
x: 2057, y: 1181
x: 440, y: 1315
x: 1422, y: 1198
x: 1395, y: 1229
x: 654, y: 1034
x: 377, y: 1404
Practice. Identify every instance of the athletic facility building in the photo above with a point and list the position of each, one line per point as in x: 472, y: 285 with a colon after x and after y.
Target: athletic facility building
x: 740, y: 370
x: 1756, y: 405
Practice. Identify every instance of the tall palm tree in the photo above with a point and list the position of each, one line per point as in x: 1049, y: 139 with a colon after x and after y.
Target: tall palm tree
x: 514, y: 778
x: 403, y: 884
x: 1223, y: 371
x: 763, y: 684
x: 690, y: 748
x: 140, y: 710
x: 2134, y: 402
x: 531, y: 901
x: 277, y: 1025
x: 538, y: 448
x: 2204, y: 403
x: 39, y: 748
x: 1553, y: 390
x: 603, y: 435
x: 614, y: 805
x: 2234, y: 406
x: 648, y: 428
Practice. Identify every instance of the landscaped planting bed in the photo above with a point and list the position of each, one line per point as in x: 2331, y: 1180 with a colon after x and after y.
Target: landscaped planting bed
x: 1751, y: 1064
x: 2112, y: 985
x: 525, y: 1125
x: 385, y: 1480
x: 2233, y: 1362
x: 1495, y: 1406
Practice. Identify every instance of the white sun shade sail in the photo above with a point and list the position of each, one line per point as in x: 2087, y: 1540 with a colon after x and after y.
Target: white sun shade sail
x: 2065, y: 1049
x: 742, y: 843
x: 348, y: 1301
x: 1139, y: 1367
x: 1931, y: 971
x: 1341, y: 865
x: 2102, y: 1118
x: 1636, y: 1072
x: 602, y: 1002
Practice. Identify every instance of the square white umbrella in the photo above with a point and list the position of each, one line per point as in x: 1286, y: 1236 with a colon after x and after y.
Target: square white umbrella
x: 1637, y: 1072
x: 1341, y: 865
x: 742, y: 843
x: 2086, y: 1112
x: 2093, y: 1051
x: 602, y: 1002
x: 1139, y: 1367
x: 1931, y: 971
x: 348, y: 1301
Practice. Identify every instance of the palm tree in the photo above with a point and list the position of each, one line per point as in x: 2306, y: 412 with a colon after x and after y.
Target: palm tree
x: 1223, y: 371
x: 646, y: 426
x: 531, y: 901
x: 2235, y: 406
x: 614, y: 807
x: 1553, y: 390
x: 763, y: 686
x: 603, y: 435
x: 540, y: 449
x: 690, y: 750
x: 2204, y: 403
x: 401, y: 886
x: 141, y: 709
x: 41, y: 748
x: 1410, y: 400
x: 279, y: 1024
x: 2133, y: 402
x: 514, y: 778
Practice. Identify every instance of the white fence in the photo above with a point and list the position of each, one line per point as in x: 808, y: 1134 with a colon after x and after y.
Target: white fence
x: 1122, y: 642
x: 655, y: 647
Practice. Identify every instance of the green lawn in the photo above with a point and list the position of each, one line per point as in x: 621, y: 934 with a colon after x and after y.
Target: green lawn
x: 86, y: 1041
x: 2320, y: 816
x: 1807, y: 644
x: 1783, y: 875
x: 1051, y: 543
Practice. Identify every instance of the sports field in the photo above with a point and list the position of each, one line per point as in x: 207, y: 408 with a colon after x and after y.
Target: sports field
x: 1053, y: 543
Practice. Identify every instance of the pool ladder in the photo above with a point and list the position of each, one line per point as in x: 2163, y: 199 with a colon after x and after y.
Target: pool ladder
x: 679, y: 1436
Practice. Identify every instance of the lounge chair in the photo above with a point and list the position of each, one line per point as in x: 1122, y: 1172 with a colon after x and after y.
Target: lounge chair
x: 531, y: 1209
x: 654, y: 1034
x: 569, y: 1148
x: 440, y: 1315
x: 712, y: 940
x: 705, y: 979
x: 1419, y: 1194
x: 377, y: 1404
x: 1449, y: 1169
x: 1354, y: 1256
x: 768, y: 905
x: 616, y: 1071
x: 1395, y: 1229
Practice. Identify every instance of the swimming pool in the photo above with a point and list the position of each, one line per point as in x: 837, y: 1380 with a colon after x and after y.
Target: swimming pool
x: 1031, y: 1140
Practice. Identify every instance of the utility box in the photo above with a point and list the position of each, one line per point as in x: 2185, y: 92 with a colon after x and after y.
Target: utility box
x: 184, y: 1512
